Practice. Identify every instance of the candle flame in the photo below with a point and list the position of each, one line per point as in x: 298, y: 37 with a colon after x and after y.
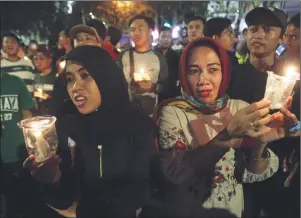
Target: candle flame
x: 26, y: 58
x: 62, y: 64
x: 142, y: 71
x: 37, y: 132
x: 291, y: 73
x: 40, y: 90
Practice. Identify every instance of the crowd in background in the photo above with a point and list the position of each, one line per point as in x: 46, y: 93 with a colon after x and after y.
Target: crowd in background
x: 189, y: 139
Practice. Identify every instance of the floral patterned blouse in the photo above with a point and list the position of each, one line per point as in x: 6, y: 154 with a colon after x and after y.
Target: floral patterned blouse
x: 182, y: 129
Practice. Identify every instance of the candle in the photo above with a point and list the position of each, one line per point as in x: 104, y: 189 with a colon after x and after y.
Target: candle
x: 291, y: 73
x: 141, y: 75
x: 40, y: 90
x: 40, y: 136
x: 41, y: 145
x: 62, y: 65
x: 279, y: 88
x: 39, y: 93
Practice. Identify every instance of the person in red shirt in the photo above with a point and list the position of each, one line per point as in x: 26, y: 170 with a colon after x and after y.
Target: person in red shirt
x: 112, y: 39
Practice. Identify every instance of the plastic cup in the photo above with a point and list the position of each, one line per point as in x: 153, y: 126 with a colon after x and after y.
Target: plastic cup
x: 278, y: 89
x: 40, y: 136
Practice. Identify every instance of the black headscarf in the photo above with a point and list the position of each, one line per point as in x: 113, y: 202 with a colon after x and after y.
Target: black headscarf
x: 115, y: 112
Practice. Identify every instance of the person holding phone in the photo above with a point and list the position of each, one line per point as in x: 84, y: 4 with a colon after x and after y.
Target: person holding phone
x: 287, y: 179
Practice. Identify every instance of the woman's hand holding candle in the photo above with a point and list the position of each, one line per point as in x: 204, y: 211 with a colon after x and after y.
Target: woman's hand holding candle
x: 290, y: 122
x: 47, y: 172
x: 249, y: 120
x: 282, y: 124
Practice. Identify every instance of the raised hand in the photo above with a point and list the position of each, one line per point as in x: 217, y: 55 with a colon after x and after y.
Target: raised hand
x: 250, y: 119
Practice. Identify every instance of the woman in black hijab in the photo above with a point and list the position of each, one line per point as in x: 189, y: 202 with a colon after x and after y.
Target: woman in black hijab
x: 109, y: 173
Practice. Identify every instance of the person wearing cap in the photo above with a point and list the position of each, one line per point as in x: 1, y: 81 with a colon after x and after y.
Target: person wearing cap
x: 266, y: 27
x: 44, y: 81
x: 265, y: 30
x: 143, y: 61
x: 111, y: 40
x: 93, y: 33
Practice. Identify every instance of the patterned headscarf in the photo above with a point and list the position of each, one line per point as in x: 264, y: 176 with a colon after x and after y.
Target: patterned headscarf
x: 187, y: 101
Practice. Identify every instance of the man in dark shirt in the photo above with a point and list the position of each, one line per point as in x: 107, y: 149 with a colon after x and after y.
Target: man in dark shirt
x: 172, y: 58
x: 248, y: 82
x: 266, y: 27
x: 287, y: 179
x: 220, y: 29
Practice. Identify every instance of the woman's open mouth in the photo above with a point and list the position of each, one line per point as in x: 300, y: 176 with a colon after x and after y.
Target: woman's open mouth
x: 80, y: 101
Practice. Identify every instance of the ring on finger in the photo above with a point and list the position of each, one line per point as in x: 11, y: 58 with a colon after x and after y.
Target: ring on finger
x: 253, y: 127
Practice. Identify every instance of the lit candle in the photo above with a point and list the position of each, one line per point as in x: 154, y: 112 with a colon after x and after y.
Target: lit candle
x: 141, y: 75
x: 39, y: 93
x: 291, y: 73
x: 279, y: 88
x: 40, y: 90
x: 26, y: 58
x: 42, y: 144
x: 62, y: 65
x: 40, y: 136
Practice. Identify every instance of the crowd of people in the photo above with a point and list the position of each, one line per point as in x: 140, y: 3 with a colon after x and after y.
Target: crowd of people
x: 184, y: 128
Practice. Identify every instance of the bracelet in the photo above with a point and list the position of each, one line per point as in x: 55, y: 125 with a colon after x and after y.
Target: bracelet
x: 295, y: 128
x: 262, y: 159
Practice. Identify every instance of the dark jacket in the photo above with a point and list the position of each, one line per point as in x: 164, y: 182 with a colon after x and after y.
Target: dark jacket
x: 249, y: 84
x: 127, y: 140
x: 173, y: 60
x: 124, y: 186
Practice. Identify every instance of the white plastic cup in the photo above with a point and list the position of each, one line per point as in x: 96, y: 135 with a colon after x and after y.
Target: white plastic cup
x: 40, y: 136
x: 278, y: 89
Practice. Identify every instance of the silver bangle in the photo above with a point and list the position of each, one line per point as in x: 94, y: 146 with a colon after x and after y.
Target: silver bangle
x: 262, y: 159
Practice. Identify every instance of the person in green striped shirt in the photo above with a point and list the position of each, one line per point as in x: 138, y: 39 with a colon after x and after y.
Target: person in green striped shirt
x: 13, y: 64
